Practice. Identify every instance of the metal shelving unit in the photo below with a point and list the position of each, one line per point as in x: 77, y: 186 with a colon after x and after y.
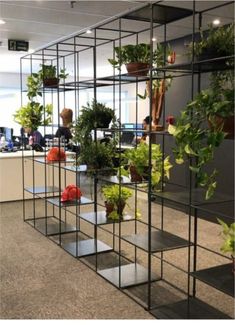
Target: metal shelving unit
x: 122, y: 270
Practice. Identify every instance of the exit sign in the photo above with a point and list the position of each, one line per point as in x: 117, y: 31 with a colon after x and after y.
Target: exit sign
x: 17, y: 45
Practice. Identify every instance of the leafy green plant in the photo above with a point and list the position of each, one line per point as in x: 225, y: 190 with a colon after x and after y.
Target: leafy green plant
x: 140, y: 53
x: 195, y: 140
x: 34, y: 115
x: 96, y: 155
x: 117, y: 196
x: 48, y: 71
x: 219, y: 41
x: 94, y: 115
x: 139, y: 157
x: 229, y: 237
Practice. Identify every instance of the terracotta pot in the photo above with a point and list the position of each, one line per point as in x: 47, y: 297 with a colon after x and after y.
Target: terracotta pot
x: 137, y: 69
x: 109, y: 207
x: 227, y: 123
x: 120, y: 207
x: 49, y: 82
x: 135, y: 177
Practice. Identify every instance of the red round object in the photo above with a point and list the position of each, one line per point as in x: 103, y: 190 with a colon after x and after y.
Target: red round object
x: 71, y: 193
x: 170, y: 119
x: 56, y: 154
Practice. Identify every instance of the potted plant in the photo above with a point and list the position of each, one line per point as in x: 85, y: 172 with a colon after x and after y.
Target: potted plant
x: 214, y: 42
x: 93, y: 116
x: 195, y: 138
x: 137, y: 58
x: 48, y: 75
x: 229, y: 240
x: 115, y: 200
x: 34, y: 115
x: 95, y: 154
x: 138, y: 162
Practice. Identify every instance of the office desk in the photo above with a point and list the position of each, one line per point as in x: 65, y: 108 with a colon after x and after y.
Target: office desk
x: 11, y: 179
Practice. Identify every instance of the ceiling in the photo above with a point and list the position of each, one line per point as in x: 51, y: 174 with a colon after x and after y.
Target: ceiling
x: 43, y: 22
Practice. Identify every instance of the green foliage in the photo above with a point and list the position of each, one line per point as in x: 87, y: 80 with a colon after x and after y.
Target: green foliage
x: 194, y: 138
x: 140, y: 53
x: 32, y: 115
x: 116, y: 195
x: 48, y: 71
x: 217, y: 40
x: 96, y: 155
x: 139, y: 157
x: 92, y: 116
x: 229, y: 237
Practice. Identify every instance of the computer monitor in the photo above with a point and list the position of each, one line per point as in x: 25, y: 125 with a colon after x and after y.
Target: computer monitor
x: 139, y: 126
x: 128, y: 125
x: 8, y: 134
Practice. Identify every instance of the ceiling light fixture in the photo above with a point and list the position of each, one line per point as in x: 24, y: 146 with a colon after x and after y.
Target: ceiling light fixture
x: 88, y: 31
x: 154, y: 39
x: 2, y: 22
x: 216, y: 22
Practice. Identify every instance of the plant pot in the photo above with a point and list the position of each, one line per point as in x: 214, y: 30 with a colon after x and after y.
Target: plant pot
x: 103, y: 122
x: 137, y: 69
x: 109, y: 207
x: 135, y: 176
x: 50, y: 82
x: 226, y: 123
x: 120, y: 207
x: 210, y: 53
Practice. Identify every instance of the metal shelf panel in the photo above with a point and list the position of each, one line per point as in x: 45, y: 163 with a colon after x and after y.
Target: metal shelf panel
x: 56, y: 201
x: 100, y: 218
x: 220, y: 277
x: 131, y: 274
x: 188, y: 309
x: 50, y: 226
x: 54, y: 162
x: 86, y: 247
x: 42, y: 189
x: 182, y: 196
x: 160, y: 241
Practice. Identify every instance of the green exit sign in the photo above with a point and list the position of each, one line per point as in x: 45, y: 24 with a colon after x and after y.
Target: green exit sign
x: 17, y: 45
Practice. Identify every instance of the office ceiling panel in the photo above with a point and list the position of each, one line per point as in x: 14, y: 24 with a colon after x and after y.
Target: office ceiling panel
x: 43, y: 22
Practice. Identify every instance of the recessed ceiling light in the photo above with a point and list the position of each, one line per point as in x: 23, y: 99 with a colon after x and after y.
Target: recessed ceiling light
x: 88, y: 31
x: 2, y: 22
x: 154, y: 39
x: 216, y: 22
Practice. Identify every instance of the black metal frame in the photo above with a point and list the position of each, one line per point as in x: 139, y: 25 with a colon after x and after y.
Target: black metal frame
x: 122, y: 274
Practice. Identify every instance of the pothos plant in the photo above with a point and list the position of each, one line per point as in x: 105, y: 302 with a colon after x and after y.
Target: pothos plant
x: 195, y: 140
x: 228, y: 233
x: 34, y: 114
x: 216, y: 41
x: 139, y: 157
